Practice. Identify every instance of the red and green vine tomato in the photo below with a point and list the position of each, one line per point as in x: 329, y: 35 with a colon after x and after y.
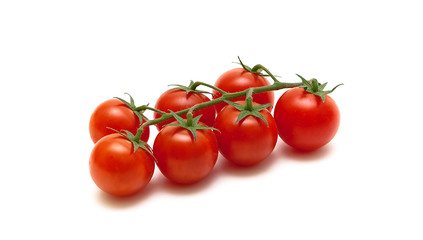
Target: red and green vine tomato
x: 181, y: 98
x: 121, y: 165
x: 247, y: 134
x: 116, y: 114
x: 307, y: 118
x: 186, y: 151
x: 240, y: 79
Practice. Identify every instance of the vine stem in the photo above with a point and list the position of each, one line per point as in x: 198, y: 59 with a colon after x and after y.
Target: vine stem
x: 196, y: 84
x: 249, y: 100
x: 225, y: 96
x: 189, y: 116
x: 260, y: 67
x: 145, y: 107
x: 257, y: 70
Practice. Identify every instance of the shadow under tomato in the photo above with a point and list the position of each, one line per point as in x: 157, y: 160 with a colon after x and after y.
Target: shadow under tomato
x: 228, y: 168
x: 167, y: 186
x: 128, y: 201
x: 160, y: 184
x: 223, y: 167
x: 293, y: 154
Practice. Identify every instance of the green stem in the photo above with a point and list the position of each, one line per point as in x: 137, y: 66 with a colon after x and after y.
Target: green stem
x: 257, y: 68
x: 226, y: 96
x: 315, y: 84
x: 145, y: 107
x: 137, y: 136
x: 189, y: 117
x: 194, y: 85
x: 249, y: 100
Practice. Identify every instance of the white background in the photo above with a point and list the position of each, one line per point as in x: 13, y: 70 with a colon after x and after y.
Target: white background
x: 60, y: 59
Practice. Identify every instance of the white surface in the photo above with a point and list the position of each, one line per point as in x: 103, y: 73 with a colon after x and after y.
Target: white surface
x: 60, y: 59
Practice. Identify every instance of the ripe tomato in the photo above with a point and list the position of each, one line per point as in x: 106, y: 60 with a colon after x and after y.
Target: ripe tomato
x: 239, y: 79
x: 182, y: 159
x: 177, y: 100
x: 304, y: 121
x: 248, y: 141
x: 115, y: 114
x: 117, y: 169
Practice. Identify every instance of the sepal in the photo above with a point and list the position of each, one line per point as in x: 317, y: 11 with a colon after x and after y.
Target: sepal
x: 314, y: 87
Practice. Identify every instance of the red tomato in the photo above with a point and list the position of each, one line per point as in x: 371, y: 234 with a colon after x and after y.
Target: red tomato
x: 117, y: 169
x: 248, y: 141
x: 177, y: 100
x: 239, y: 79
x: 304, y: 121
x: 182, y: 159
x: 115, y: 114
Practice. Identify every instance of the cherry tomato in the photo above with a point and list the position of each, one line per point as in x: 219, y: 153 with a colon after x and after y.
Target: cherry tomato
x: 178, y: 99
x: 239, y: 79
x: 117, y: 169
x: 115, y: 114
x: 304, y: 121
x: 182, y: 159
x: 248, y: 141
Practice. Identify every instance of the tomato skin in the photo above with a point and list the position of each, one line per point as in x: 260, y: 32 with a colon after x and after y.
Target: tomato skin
x: 247, y: 142
x: 239, y: 79
x: 304, y: 121
x: 115, y: 114
x: 177, y: 100
x: 116, y: 169
x: 183, y: 160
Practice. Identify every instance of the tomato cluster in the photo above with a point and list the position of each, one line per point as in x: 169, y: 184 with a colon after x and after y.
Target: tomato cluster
x: 194, y: 129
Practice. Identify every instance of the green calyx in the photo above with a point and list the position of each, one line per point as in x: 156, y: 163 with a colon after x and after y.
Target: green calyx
x: 191, y: 124
x: 135, y: 140
x: 314, y: 87
x: 249, y: 108
x: 133, y: 107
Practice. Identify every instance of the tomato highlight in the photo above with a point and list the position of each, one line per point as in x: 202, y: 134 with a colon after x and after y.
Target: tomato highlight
x: 183, y: 159
x: 304, y: 121
x: 248, y: 141
x: 116, y: 169
x: 114, y: 114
